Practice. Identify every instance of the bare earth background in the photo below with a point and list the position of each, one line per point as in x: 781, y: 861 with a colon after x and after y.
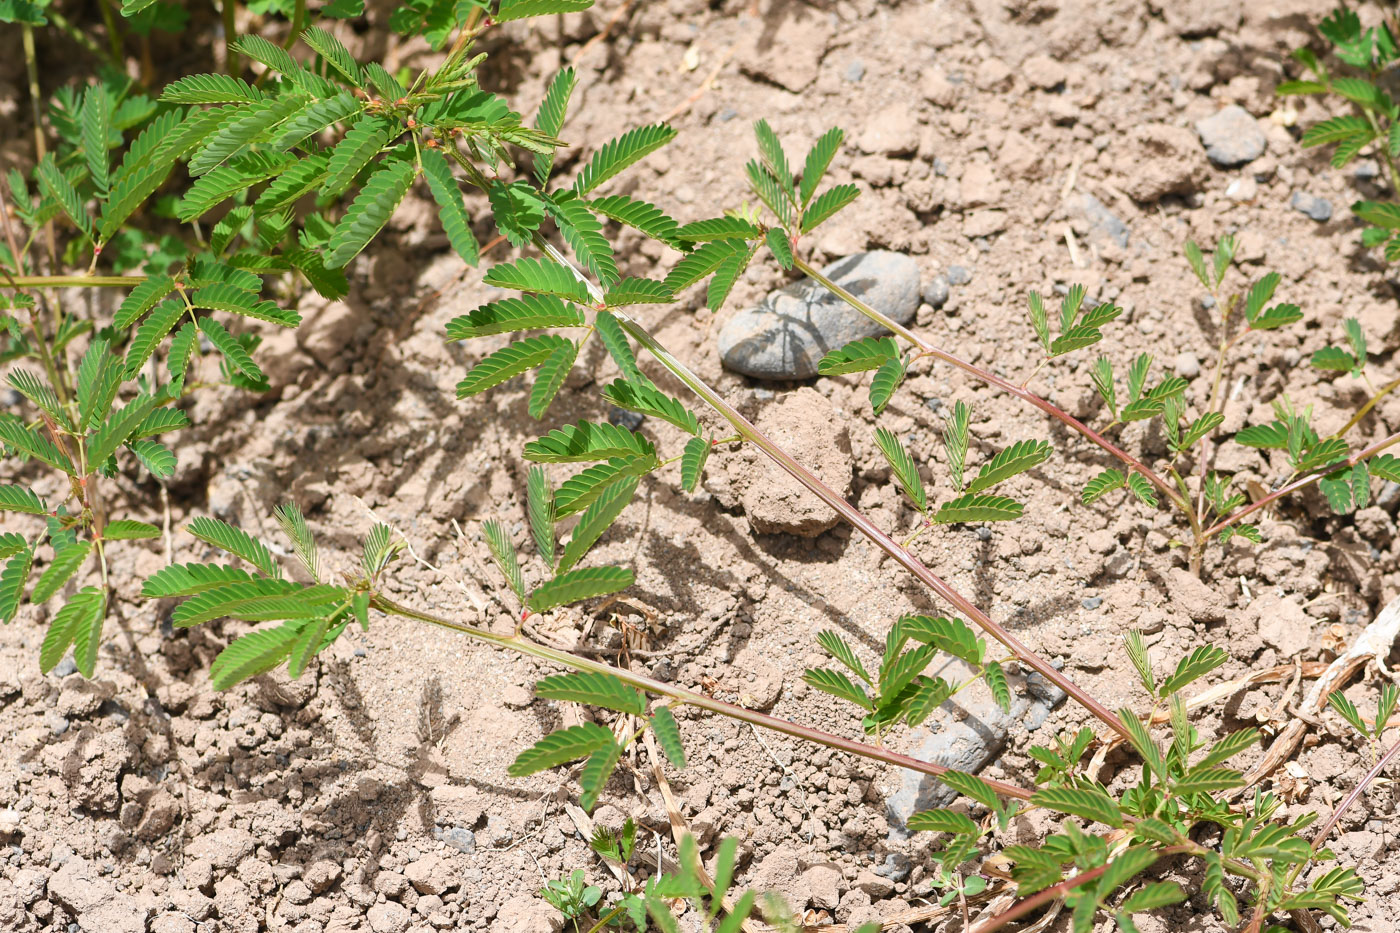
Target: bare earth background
x: 373, y: 793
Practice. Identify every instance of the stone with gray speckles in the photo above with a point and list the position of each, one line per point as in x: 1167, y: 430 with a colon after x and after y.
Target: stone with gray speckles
x: 786, y: 336
x: 1319, y: 209
x: 1231, y: 137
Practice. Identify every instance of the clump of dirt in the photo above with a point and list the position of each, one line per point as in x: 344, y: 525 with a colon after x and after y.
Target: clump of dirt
x: 1005, y: 147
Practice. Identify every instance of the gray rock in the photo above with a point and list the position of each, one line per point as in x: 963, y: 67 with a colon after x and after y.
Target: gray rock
x: 1319, y: 209
x: 854, y: 71
x: 1103, y: 223
x: 463, y: 840
x: 1231, y: 137
x: 1091, y: 602
x: 936, y: 291
x: 65, y: 667
x: 623, y: 418
x: 959, y: 275
x: 793, y: 328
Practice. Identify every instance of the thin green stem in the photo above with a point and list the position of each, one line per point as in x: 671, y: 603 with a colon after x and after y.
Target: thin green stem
x: 1131, y: 462
x: 114, y: 36
x: 226, y: 12
x: 75, y: 281
x: 1355, y: 795
x: 298, y: 20
x: 605, y: 919
x: 1365, y: 410
x: 684, y: 696
x: 863, y: 524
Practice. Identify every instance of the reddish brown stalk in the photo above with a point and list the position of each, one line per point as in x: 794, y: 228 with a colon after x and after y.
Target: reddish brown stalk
x: 1132, y: 463
x: 1355, y: 795
x: 691, y: 697
x: 865, y: 526
x: 1298, y: 484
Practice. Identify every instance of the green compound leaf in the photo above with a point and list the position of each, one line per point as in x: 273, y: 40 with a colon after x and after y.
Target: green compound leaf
x: 955, y: 442
x: 859, y: 356
x: 538, y: 275
x: 1200, y: 428
x: 951, y: 636
x: 593, y: 688
x: 619, y: 348
x: 826, y: 205
x: 12, y: 581
x: 54, y: 184
x: 906, y: 472
x: 129, y: 530
x: 296, y: 181
x: 582, y: 490
x: 941, y: 821
x: 1039, y: 319
x: 699, y: 263
x: 693, y: 459
x: 314, y: 118
x: 668, y: 736
x: 970, y: 785
x: 818, y: 158
x: 619, y: 153
x: 21, y: 499
x: 1141, y: 487
x: 249, y: 124
x: 1208, y: 780
x: 255, y: 653
x: 836, y: 646
x: 559, y: 748
x: 190, y: 579
x: 540, y: 510
x: 230, y: 346
x: 514, y: 314
x: 838, y: 685
x: 647, y: 218
x: 520, y: 9
x: 369, y: 212
x: 1272, y: 436
x: 237, y: 542
x: 718, y: 228
x: 1093, y: 805
x: 293, y: 524
x: 550, y: 119
x: 142, y: 299
x: 1336, y: 130
x: 210, y: 89
x: 780, y: 246
x: 335, y: 54
x: 1332, y: 358
x: 1198, y: 663
x: 510, y: 361
x: 1105, y: 482
x: 78, y: 623
x: 551, y: 377
x: 1076, y: 338
x: 596, y: 520
x: 33, y: 444
x: 978, y: 508
x: 1154, y: 896
x: 222, y: 297
x: 578, y: 585
x: 503, y: 553
x: 996, y: 682
x: 1259, y: 294
x: 452, y: 212
x: 117, y: 428
x: 360, y: 145
x: 883, y: 385
x: 1016, y: 459
x: 638, y: 291
x: 1325, y: 453
x: 308, y: 643
x: 726, y: 275
x: 516, y: 209
x: 65, y: 563
x: 1276, y: 317
x: 259, y: 601
x: 651, y: 401
x: 588, y: 440
x: 584, y: 234
x: 279, y: 60
x: 596, y: 772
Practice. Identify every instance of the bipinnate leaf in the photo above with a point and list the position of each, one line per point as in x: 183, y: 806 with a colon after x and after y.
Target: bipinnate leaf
x: 119, y: 425
x: 12, y: 582
x: 560, y: 747
x: 1326, y: 452
x: 520, y: 9
x: 538, y: 275
x: 503, y: 553
x: 1076, y: 338
x: 550, y: 119
x: 647, y: 218
x: 1201, y: 661
x: 54, y: 184
x: 775, y: 160
x: 941, y: 821
x: 15, y: 434
x: 516, y: 209
x: 651, y: 401
x: 955, y: 443
x: 1018, y: 458
x: 951, y: 636
x: 210, y: 89
x: 1332, y: 358
x: 593, y: 688
x: 581, y: 490
x: 230, y: 347
x: 510, y: 361
x: 528, y: 312
x: 1201, y: 780
x: 578, y: 585
x: 78, y: 623
x: 619, y: 153
x: 551, y: 377
x: 906, y: 472
x: 255, y: 653
x: 588, y: 440
x: 190, y: 579
x: 668, y: 735
x: 1039, y: 320
x: 128, y: 530
x: 1154, y: 896
x: 1141, y: 487
x: 615, y: 339
x: 978, y: 508
x: 596, y: 771
x: 142, y: 299
x: 858, y: 356
x: 1259, y: 294
x: 235, y: 541
x: 826, y: 205
x: 1103, y: 483
x: 335, y: 54
x: 314, y: 118
x: 996, y: 682
x: 884, y: 383
x: 637, y: 291
x: 837, y: 647
x: 717, y: 228
x: 970, y: 785
x: 293, y: 524
x: 540, y: 510
x: 1142, y: 743
x: 257, y: 601
x: 597, y: 518
x: 380, y: 547
x: 693, y: 459
x: 818, y: 158
x: 452, y: 212
x: 369, y: 212
x: 21, y: 499
x: 1094, y: 805
x: 780, y: 246
x: 1348, y: 711
x: 838, y: 685
x: 154, y: 456
x: 60, y: 570
x: 1276, y: 317
x: 726, y: 274
x: 700, y: 262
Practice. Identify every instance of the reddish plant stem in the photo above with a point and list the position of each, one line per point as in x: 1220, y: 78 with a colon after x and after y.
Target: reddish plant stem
x: 864, y: 525
x: 1132, y: 463
x: 1298, y: 484
x: 1355, y: 795
x: 688, y: 697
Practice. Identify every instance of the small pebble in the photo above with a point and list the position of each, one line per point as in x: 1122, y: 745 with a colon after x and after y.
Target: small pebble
x: 1367, y: 170
x: 958, y: 275
x: 984, y: 533
x: 463, y: 840
x: 1091, y: 602
x: 854, y: 71
x: 727, y: 114
x: 1319, y: 209
x: 1187, y: 365
x: 65, y: 667
x: 940, y: 167
x: 57, y: 724
x: 935, y: 291
x: 623, y: 418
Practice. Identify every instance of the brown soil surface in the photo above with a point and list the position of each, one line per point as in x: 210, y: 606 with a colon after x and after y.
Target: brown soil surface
x: 975, y: 129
